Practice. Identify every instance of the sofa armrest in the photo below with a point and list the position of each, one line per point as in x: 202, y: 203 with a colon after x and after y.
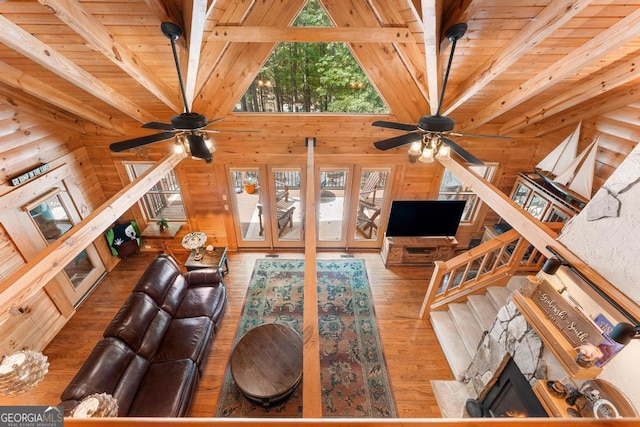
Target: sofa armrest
x: 203, y: 277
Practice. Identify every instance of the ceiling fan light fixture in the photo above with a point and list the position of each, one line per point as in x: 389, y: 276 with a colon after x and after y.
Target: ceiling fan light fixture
x: 416, y: 148
x: 178, y: 148
x: 198, y: 147
x: 444, y: 152
x: 427, y: 155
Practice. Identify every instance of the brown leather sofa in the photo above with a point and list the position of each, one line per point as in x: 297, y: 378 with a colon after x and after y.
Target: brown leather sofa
x: 152, y: 353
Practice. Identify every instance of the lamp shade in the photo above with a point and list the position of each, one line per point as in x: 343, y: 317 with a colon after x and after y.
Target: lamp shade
x: 96, y: 405
x: 623, y: 333
x: 551, y: 266
x: 22, y: 371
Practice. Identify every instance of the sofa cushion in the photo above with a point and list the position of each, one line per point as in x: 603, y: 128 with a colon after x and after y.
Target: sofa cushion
x: 129, y: 383
x: 206, y: 301
x: 158, y: 278
x: 167, y: 390
x: 174, y: 295
x: 133, y: 319
x: 203, y: 276
x: 187, y: 338
x: 102, y: 370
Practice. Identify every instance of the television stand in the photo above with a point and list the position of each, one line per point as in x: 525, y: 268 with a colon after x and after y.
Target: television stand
x: 417, y: 250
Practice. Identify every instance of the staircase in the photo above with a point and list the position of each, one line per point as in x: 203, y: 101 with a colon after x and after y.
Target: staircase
x: 460, y: 328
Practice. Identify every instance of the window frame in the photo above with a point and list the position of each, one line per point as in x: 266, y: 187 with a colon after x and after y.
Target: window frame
x: 470, y: 213
x: 144, y: 204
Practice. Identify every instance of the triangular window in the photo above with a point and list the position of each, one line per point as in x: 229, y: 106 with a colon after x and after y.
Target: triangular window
x: 312, y: 77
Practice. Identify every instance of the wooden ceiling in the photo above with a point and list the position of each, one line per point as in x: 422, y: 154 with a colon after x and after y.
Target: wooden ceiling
x: 530, y: 67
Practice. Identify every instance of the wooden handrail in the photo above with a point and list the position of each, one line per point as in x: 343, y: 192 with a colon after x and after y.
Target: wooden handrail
x: 476, y: 269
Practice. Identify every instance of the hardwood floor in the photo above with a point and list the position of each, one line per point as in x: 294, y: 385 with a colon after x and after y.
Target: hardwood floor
x: 412, y: 352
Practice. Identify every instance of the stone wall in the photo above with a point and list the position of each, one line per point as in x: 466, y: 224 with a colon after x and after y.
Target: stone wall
x: 509, y: 334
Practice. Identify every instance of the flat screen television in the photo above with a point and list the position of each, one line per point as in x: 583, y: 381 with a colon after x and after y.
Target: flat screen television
x: 424, y: 218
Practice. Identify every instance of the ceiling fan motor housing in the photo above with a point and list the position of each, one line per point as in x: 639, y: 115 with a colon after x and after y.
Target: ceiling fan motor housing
x: 436, y: 123
x: 189, y: 121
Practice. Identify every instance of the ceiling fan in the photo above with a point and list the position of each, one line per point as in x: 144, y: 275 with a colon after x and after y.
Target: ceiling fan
x: 430, y: 135
x: 189, y: 127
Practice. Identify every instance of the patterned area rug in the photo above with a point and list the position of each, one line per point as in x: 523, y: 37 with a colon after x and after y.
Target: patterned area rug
x: 353, y: 370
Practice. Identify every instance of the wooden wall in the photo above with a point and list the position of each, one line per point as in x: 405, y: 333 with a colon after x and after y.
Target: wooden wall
x: 26, y: 141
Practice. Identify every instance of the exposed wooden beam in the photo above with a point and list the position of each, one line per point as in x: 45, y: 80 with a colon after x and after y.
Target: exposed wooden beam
x: 552, y: 17
x: 26, y: 44
x: 241, y: 62
x: 311, y: 386
x: 196, y: 13
x: 602, y: 105
x: 263, y: 34
x: 167, y: 11
x: 34, y: 107
x: 80, y: 19
x: 38, y: 271
x: 623, y: 31
x: 612, y: 79
x: 19, y: 80
x: 396, y: 13
x: 212, y: 50
x: 431, y: 12
x: 538, y: 234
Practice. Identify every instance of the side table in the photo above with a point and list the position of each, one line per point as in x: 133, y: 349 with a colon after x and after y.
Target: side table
x: 218, y: 258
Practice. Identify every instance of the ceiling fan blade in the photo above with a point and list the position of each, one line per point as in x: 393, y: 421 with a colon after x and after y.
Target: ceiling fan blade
x: 158, y: 126
x: 139, y: 142
x: 212, y: 121
x: 231, y: 130
x: 478, y: 135
x: 396, y: 141
x: 393, y: 125
x: 461, y: 151
x: 199, y: 148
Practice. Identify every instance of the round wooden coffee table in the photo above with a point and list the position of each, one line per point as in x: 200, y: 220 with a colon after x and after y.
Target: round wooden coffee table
x: 266, y: 364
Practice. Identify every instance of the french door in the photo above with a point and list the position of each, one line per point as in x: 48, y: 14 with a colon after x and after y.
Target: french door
x: 352, y: 204
x: 268, y: 205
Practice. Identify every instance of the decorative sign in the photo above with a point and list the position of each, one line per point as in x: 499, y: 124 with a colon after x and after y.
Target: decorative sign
x: 24, y: 177
x: 572, y: 323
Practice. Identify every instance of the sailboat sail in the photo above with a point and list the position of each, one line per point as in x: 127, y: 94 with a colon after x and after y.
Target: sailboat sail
x: 561, y: 157
x: 581, y: 181
x: 571, y: 174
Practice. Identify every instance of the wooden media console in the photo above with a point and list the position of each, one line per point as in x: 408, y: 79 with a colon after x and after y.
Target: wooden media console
x: 417, y: 250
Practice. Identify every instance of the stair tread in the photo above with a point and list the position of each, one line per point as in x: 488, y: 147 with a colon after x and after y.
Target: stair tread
x: 467, y: 325
x: 451, y: 342
x: 483, y: 309
x: 498, y: 295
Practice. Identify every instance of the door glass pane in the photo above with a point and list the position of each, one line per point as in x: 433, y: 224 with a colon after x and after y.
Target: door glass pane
x: 331, y: 212
x: 53, y: 222
x: 249, y: 212
x: 370, y: 201
x: 287, y: 198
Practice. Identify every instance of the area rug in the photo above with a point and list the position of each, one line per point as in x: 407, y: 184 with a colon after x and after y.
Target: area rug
x: 353, y: 372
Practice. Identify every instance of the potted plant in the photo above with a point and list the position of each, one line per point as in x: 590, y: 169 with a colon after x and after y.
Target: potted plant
x: 163, y: 224
x: 250, y: 185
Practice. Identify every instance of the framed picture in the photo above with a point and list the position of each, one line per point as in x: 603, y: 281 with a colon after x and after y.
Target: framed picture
x: 608, y: 347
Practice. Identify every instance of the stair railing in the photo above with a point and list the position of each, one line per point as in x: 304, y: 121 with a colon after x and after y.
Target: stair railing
x: 472, y: 271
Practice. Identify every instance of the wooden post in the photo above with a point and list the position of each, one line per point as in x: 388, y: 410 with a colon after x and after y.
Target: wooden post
x: 311, y: 396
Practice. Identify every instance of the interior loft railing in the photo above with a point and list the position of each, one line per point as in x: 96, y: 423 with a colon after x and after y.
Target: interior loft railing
x: 489, y: 263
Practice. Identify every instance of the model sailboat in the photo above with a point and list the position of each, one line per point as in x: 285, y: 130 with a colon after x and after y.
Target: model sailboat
x: 569, y: 172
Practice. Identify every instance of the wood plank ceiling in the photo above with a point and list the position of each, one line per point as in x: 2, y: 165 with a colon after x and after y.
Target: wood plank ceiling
x: 531, y: 67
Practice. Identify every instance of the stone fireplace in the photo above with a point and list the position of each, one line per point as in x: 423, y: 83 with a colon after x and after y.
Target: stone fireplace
x: 510, y: 336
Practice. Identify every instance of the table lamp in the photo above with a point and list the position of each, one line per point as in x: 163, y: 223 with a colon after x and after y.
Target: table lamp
x: 194, y: 240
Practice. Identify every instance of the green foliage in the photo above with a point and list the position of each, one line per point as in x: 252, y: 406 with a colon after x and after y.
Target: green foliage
x: 312, y: 77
